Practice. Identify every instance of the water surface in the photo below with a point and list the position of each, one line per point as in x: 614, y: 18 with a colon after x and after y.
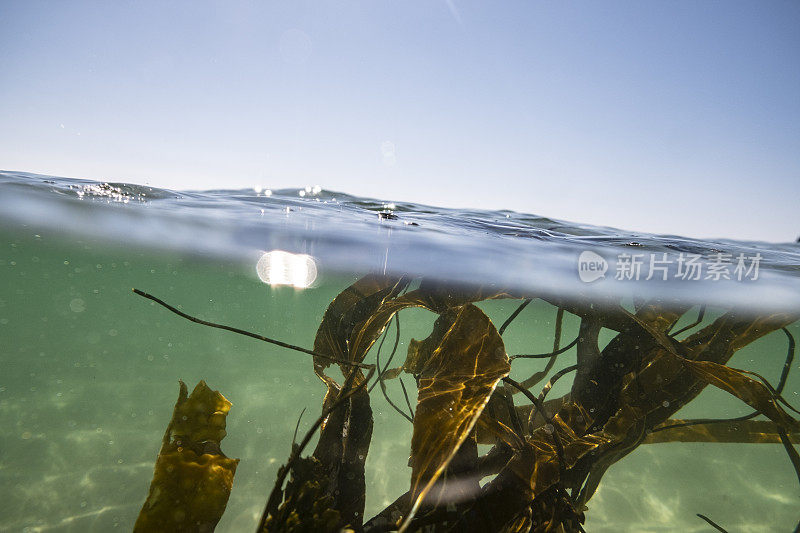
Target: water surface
x: 90, y: 371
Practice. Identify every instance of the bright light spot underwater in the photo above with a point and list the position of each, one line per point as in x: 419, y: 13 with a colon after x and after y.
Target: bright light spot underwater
x: 283, y: 268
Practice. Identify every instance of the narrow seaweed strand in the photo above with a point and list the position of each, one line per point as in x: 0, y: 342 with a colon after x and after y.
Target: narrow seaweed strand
x: 396, y: 343
x: 377, y: 360
x: 558, y: 375
x: 539, y: 376
x: 776, y: 395
x: 513, y: 415
x: 277, y: 492
x: 380, y: 377
x: 557, y: 334
x: 537, y: 402
x: 297, y: 426
x: 391, y: 356
x: 700, y: 315
x: 787, y: 365
x: 256, y: 336
x: 394, y: 406
x: 514, y: 315
x: 382, y: 371
x: 408, y: 402
x: 542, y: 395
x: 546, y: 355
x: 790, y: 451
x: 712, y: 523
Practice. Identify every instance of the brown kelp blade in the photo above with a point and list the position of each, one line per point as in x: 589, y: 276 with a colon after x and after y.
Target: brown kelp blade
x: 750, y: 391
x: 675, y: 372
x: 193, y: 478
x: 671, y: 374
x: 457, y: 378
x: 359, y: 314
x: 730, y: 431
x: 731, y: 380
x: 347, y: 315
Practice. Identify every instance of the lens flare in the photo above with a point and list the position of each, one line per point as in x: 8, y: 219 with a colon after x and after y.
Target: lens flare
x: 283, y: 268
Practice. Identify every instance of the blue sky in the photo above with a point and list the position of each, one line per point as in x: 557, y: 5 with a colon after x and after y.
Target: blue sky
x: 668, y: 117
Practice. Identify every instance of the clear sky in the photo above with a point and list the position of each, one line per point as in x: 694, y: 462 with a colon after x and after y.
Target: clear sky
x: 668, y: 117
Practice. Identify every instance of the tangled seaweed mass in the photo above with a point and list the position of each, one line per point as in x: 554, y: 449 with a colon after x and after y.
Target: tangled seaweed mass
x: 547, y: 456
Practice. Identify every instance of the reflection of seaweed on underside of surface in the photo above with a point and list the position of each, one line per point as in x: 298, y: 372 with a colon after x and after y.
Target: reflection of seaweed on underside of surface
x: 548, y: 455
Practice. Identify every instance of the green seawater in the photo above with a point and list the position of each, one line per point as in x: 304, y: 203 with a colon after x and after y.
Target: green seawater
x: 89, y: 376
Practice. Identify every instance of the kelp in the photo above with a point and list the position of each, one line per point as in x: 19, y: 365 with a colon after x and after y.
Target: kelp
x: 740, y: 431
x: 193, y: 478
x: 326, y: 491
x: 458, y: 366
x: 345, y: 320
x: 548, y: 455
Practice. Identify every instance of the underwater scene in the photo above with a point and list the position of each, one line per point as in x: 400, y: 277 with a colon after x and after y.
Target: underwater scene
x: 303, y: 360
